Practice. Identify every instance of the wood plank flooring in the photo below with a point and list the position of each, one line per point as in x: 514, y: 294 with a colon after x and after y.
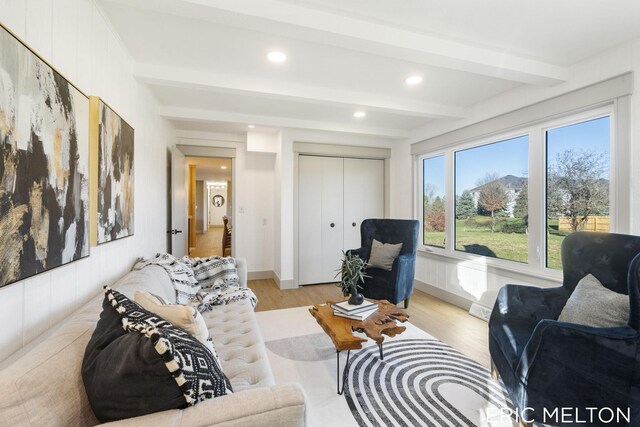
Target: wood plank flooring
x: 444, y: 321
x: 208, y: 244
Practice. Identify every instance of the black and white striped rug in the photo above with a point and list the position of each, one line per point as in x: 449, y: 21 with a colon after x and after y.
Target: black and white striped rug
x: 420, y: 382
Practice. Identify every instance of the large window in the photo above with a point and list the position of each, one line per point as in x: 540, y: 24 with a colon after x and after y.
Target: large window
x: 512, y: 198
x: 578, y: 170
x: 433, y: 202
x: 491, y: 206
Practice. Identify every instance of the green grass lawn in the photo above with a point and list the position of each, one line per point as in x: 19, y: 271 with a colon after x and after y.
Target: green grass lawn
x: 476, y: 237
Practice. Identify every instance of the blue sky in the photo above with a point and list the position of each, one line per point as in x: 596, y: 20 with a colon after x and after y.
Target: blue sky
x: 593, y: 135
x: 434, y: 174
x: 510, y: 157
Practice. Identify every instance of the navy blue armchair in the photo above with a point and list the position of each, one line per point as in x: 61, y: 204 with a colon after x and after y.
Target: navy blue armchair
x: 546, y: 364
x: 395, y: 285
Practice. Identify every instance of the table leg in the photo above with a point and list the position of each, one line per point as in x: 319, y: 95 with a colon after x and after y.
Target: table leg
x: 381, y: 353
x: 345, y: 371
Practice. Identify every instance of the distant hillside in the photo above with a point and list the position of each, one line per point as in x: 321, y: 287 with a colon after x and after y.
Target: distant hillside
x: 509, y: 182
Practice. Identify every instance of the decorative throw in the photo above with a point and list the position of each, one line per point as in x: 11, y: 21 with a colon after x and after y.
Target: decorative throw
x: 219, y: 282
x: 213, y: 271
x: 137, y: 363
x: 223, y: 294
x: 181, y: 274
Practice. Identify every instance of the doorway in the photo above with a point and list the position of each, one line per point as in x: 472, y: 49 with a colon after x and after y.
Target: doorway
x: 210, y: 206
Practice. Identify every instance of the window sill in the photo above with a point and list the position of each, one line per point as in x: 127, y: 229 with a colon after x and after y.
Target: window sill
x: 497, y: 266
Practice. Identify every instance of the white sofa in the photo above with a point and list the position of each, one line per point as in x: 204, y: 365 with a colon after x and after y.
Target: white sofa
x: 43, y: 386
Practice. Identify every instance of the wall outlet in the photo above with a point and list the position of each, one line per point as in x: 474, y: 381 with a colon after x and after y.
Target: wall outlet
x: 241, y: 209
x: 480, y: 311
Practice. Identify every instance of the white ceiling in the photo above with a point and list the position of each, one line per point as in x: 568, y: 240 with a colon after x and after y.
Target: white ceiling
x: 210, y: 169
x: 205, y: 60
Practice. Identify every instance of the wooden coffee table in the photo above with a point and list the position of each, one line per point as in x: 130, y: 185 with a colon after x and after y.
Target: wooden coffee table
x: 340, y: 330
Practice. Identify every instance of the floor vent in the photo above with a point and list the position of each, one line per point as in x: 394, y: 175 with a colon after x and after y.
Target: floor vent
x: 480, y: 311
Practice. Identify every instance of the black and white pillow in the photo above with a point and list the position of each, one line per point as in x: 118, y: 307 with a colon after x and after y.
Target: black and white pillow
x: 138, y: 363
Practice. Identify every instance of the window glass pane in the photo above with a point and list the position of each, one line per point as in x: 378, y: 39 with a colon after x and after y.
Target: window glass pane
x: 433, y: 201
x: 578, y: 169
x: 491, y: 200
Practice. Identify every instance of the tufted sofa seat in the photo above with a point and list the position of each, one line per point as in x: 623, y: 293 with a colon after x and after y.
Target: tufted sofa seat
x: 42, y: 385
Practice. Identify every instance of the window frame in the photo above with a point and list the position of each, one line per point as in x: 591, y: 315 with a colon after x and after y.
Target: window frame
x: 537, y: 181
x: 420, y: 195
x: 574, y: 119
x: 495, y: 139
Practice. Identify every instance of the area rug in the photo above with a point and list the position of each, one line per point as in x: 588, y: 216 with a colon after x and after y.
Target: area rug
x: 420, y: 382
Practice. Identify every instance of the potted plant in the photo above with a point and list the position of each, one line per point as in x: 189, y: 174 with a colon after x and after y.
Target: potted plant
x: 351, y: 272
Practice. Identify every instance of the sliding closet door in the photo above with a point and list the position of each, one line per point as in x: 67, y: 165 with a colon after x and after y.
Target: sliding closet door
x: 363, y: 196
x: 320, y: 218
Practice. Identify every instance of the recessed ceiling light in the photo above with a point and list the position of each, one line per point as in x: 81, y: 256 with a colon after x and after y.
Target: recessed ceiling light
x: 359, y: 114
x: 251, y: 126
x: 223, y: 167
x: 413, y: 80
x: 277, y: 56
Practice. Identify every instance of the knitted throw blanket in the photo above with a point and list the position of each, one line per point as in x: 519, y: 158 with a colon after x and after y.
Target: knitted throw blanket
x: 204, y: 282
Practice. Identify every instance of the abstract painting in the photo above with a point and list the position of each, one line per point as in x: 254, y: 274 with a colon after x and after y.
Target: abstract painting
x: 44, y: 191
x: 115, y: 191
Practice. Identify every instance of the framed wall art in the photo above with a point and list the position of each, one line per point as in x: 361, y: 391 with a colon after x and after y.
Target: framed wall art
x: 112, y: 148
x: 44, y: 160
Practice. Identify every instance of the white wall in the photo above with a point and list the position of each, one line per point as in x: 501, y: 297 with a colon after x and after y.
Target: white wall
x: 472, y: 280
x: 76, y: 38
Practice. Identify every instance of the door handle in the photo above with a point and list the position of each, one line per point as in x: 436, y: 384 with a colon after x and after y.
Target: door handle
x: 174, y: 231
x: 332, y: 225
x: 353, y: 224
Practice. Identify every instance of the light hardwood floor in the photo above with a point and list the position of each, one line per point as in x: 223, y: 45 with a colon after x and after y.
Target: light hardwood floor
x: 444, y: 321
x: 208, y: 244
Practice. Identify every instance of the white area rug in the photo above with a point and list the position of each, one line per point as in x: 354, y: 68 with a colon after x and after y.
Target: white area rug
x: 421, y: 381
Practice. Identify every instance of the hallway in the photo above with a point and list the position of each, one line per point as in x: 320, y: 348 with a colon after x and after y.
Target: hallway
x: 209, y: 243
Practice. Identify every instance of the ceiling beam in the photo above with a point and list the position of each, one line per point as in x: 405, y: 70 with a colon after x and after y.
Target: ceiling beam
x: 198, y: 115
x: 277, y: 90
x: 360, y: 35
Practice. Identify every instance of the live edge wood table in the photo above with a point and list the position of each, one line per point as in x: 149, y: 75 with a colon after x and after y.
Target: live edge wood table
x: 340, y: 330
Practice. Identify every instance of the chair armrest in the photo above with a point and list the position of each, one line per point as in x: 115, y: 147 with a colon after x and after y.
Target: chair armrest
x: 281, y: 405
x: 528, y: 304
x: 563, y: 362
x: 359, y: 252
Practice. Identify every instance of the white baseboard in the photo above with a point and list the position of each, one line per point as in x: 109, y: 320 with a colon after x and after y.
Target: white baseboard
x: 449, y: 297
x: 270, y: 274
x: 260, y: 275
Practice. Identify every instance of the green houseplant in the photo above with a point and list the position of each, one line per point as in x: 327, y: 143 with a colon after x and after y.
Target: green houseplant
x: 351, y: 272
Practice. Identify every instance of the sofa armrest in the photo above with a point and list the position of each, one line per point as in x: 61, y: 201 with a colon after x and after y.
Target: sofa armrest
x: 241, y: 266
x: 280, y: 405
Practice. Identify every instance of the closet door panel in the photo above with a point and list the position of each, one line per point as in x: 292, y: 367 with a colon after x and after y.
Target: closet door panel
x: 363, y: 196
x: 309, y: 219
x: 332, y: 216
x: 320, y: 199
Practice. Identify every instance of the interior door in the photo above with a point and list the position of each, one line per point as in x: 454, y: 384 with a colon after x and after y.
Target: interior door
x: 363, y: 196
x: 179, y: 225
x: 320, y: 199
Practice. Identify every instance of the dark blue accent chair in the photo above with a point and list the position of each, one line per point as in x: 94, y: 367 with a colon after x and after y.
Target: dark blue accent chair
x: 546, y: 364
x: 395, y: 285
